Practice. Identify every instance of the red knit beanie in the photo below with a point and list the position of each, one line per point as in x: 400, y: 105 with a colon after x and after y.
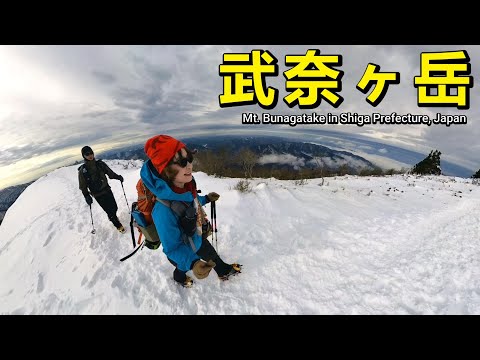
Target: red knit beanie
x: 161, y: 149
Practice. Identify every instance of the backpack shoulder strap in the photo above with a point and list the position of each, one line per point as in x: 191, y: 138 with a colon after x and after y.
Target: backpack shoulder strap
x: 178, y: 207
x: 100, y: 164
x: 167, y: 203
x: 194, y: 183
x: 82, y: 169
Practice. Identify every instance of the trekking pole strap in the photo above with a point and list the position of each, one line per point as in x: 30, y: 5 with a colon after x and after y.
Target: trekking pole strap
x: 132, y: 253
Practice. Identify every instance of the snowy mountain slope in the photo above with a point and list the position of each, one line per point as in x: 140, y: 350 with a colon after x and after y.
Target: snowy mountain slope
x: 356, y: 245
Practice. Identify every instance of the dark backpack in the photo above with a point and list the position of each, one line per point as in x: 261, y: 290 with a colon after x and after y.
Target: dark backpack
x: 94, y: 185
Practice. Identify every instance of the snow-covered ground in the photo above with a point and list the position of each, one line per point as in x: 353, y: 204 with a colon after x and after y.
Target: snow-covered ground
x: 398, y: 244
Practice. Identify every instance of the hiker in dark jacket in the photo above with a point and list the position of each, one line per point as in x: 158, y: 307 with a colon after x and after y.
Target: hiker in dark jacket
x: 92, y: 180
x: 168, y: 175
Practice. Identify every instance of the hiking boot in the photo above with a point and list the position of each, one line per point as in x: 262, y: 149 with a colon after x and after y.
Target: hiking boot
x: 121, y: 229
x: 188, y: 283
x: 236, y: 269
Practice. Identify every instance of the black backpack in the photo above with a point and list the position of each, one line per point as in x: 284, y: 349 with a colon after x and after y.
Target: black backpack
x: 94, y: 186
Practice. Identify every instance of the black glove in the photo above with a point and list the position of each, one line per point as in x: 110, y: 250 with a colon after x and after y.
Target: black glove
x: 213, y: 196
x: 88, y: 199
x: 120, y: 177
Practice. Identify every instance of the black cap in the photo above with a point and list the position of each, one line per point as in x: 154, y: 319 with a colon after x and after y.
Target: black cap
x: 86, y: 150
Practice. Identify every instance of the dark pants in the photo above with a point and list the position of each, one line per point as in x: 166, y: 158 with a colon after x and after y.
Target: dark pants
x: 109, y: 205
x: 206, y: 252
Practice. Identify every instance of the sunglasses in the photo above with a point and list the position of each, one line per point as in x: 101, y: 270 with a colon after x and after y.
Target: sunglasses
x: 88, y: 153
x: 182, y: 162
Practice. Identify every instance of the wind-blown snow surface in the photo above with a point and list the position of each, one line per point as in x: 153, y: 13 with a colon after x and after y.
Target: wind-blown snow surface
x: 356, y: 245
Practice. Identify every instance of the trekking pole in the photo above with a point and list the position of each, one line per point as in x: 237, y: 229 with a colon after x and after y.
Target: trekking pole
x: 213, y: 216
x: 91, y: 216
x: 125, y: 198
x: 131, y: 225
x: 213, y: 222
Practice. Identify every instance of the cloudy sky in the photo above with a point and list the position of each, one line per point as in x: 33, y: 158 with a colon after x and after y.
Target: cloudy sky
x: 56, y: 99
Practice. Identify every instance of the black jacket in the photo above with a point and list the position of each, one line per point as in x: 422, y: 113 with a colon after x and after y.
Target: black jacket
x: 92, y: 177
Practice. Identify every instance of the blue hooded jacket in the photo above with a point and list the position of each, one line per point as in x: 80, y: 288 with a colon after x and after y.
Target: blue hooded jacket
x: 166, y: 221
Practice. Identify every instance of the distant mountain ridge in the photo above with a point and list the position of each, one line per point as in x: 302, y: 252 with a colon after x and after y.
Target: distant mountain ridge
x: 397, y: 154
x: 306, y: 154
x: 281, y: 152
x: 8, y: 197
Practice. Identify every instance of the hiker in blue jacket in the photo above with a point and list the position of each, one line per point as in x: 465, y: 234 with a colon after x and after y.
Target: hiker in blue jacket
x: 168, y: 175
